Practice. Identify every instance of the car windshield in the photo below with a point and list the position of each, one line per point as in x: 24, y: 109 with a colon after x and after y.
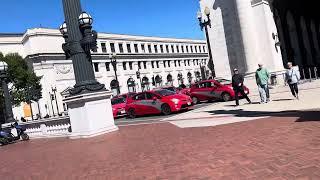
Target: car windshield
x: 224, y: 81
x: 164, y: 92
x: 170, y: 89
x: 118, y: 101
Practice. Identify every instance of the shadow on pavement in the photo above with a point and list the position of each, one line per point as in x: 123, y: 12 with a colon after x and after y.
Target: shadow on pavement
x: 283, y: 99
x: 303, y: 116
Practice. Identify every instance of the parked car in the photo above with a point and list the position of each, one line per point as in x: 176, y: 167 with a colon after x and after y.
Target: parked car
x: 209, y: 90
x: 126, y: 95
x: 118, y: 106
x: 157, y: 102
x: 177, y: 90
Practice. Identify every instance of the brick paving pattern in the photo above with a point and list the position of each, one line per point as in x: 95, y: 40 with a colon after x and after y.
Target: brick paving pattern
x: 272, y: 148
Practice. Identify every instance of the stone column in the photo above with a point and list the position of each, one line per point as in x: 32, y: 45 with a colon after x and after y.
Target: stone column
x: 306, y: 41
x: 295, y: 52
x: 315, y: 40
x: 246, y: 21
x: 267, y: 50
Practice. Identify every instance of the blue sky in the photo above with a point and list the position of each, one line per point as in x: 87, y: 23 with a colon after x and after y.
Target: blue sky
x: 164, y: 18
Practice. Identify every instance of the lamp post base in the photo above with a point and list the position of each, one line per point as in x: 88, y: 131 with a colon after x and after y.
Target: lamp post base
x: 90, y: 114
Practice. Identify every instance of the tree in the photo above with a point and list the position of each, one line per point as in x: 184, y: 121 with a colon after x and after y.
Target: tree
x: 24, y: 84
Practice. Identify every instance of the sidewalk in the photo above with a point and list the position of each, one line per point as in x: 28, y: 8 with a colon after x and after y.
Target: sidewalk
x: 278, y: 148
x: 273, y: 145
x: 227, y: 112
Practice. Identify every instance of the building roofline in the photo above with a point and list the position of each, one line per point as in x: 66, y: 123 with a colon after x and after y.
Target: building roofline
x: 33, y: 31
x: 150, y: 36
x: 11, y: 34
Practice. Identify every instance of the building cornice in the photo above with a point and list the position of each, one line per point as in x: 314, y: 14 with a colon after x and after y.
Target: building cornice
x: 37, y: 58
x: 103, y: 36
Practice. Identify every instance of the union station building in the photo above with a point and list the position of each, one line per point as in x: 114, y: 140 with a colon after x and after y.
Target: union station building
x: 273, y: 32
x: 158, y: 61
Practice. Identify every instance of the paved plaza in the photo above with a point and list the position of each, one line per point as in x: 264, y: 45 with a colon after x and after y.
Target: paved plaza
x: 219, y: 141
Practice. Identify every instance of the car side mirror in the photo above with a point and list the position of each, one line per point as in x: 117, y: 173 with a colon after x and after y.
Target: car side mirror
x: 154, y: 98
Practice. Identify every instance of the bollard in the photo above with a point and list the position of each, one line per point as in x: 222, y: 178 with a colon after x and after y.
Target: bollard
x: 310, y: 75
x: 284, y: 79
x: 274, y: 79
x: 304, y: 76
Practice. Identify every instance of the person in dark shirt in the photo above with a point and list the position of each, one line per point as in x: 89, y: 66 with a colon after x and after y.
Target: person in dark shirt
x: 237, y: 84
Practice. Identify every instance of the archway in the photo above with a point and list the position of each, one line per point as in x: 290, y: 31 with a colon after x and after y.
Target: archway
x: 131, y: 85
x: 181, y: 80
x: 189, y: 76
x: 198, y: 76
x: 169, y: 80
x: 158, y: 80
x: 145, y: 84
x: 297, y: 22
x: 114, y: 85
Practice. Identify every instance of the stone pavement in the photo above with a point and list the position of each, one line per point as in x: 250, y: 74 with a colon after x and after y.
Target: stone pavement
x: 263, y: 144
x: 281, y: 147
x: 227, y: 112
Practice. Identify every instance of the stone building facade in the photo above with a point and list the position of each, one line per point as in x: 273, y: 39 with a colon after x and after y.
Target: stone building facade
x: 160, y: 61
x: 273, y: 32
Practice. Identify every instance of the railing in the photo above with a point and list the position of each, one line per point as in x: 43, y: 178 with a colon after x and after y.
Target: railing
x: 58, y: 127
x: 45, y: 131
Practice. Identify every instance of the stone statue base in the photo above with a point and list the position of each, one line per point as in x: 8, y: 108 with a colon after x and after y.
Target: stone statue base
x: 90, y: 114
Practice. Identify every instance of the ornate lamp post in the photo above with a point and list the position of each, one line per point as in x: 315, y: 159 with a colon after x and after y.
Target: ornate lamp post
x: 139, y: 77
x: 89, y: 102
x: 51, y: 99
x: 54, y: 90
x: 189, y: 75
x: 6, y: 94
x: 204, y: 24
x: 80, y: 39
x: 113, y: 58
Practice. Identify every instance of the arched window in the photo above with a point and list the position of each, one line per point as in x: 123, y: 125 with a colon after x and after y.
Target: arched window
x: 180, y: 78
x: 198, y: 76
x: 169, y: 80
x: 114, y: 85
x: 131, y: 85
x: 145, y: 84
x: 158, y: 80
x: 189, y: 75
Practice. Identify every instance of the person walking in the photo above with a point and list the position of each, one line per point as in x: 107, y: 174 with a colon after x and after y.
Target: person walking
x: 292, y: 78
x: 262, y: 78
x: 237, y: 84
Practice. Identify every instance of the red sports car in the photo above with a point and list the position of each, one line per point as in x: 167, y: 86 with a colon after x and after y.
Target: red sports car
x: 118, y: 106
x: 156, y: 102
x: 208, y: 90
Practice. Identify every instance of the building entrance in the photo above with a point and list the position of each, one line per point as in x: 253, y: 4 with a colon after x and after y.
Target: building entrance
x: 298, y: 24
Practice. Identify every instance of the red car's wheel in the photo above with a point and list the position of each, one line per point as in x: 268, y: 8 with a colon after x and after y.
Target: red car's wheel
x: 195, y: 100
x: 165, y: 109
x: 131, y: 113
x: 226, y: 97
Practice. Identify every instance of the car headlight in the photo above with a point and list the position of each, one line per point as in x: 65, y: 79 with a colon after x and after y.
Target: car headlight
x: 175, y: 101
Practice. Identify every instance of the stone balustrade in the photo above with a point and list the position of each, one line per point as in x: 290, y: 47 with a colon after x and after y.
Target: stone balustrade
x: 45, y: 131
x: 55, y: 127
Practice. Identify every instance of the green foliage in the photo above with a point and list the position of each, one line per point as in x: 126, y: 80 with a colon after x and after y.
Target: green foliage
x: 24, y: 84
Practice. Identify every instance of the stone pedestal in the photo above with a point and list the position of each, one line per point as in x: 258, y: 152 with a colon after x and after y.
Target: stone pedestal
x: 91, y: 114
